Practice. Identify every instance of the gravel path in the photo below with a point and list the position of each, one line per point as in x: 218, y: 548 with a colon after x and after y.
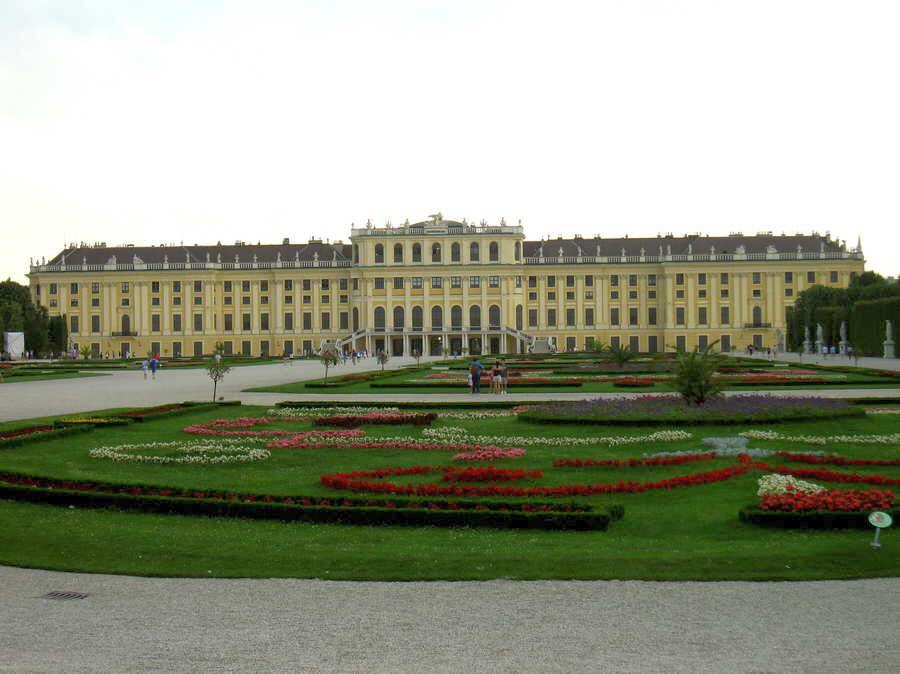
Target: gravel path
x: 183, y: 625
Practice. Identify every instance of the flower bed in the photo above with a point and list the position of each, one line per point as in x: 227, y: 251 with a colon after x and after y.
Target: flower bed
x: 296, y: 441
x: 92, y: 421
x: 456, y: 434
x: 38, y: 433
x: 634, y: 463
x: 309, y: 508
x: 851, y: 500
x: 20, y: 432
x: 870, y: 439
x: 647, y: 410
x: 379, y: 418
x: 779, y: 484
x: 835, y: 460
x: 831, y: 476
x: 635, y: 382
x: 488, y: 474
x: 198, y: 453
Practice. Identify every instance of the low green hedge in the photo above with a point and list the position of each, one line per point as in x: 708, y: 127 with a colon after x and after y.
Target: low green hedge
x: 95, y: 422
x: 645, y: 420
x: 596, y: 520
x: 463, y: 386
x: 44, y: 435
x: 423, y: 405
x: 812, y: 519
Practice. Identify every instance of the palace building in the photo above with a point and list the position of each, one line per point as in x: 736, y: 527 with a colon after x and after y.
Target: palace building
x: 438, y: 286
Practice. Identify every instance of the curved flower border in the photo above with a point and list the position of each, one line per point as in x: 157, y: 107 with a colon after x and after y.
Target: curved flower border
x: 199, y: 453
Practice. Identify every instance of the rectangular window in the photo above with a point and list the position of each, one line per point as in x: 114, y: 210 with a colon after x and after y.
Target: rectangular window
x: 198, y: 286
x: 264, y: 321
x: 245, y: 322
x: 126, y: 301
x: 652, y: 344
x: 229, y: 347
x: 532, y: 297
x: 456, y: 281
x: 125, y: 286
x: 416, y: 282
x: 245, y: 300
x: 532, y: 281
x: 788, y: 292
x: 634, y: 344
x: 632, y: 316
x: 632, y: 280
x: 532, y: 318
x: 493, y: 281
x: 723, y: 292
x: 756, y: 278
x: 570, y: 296
x: 264, y: 286
x: 833, y: 276
x: 344, y: 319
x: 288, y: 299
x: 95, y: 287
x: 588, y: 281
x: 679, y: 315
x: 176, y: 286
x: 679, y: 294
x: 614, y: 316
x: 289, y: 320
x: 551, y: 296
x: 589, y: 316
x: 198, y: 322
x: 588, y: 294
x: 307, y: 320
x: 474, y: 281
x: 724, y: 315
x: 788, y: 277
x: 551, y: 316
x: 702, y: 341
x: 379, y: 283
x: 398, y: 283
x: 307, y: 299
x: 344, y: 299
x: 701, y: 279
x: 73, y: 324
x: 551, y: 281
x: 307, y: 284
x: 651, y: 279
x: 176, y: 322
x: 52, y: 288
x: 198, y: 300
x: 570, y: 318
x: 757, y: 292
x: 326, y: 321
x: 570, y: 281
x: 632, y: 294
x: 615, y: 342
x: 701, y: 294
x: 342, y: 284
x: 810, y: 277
x: 324, y: 284
x: 154, y: 323
x: 679, y: 279
x: 245, y: 347
x: 288, y: 284
x: 325, y: 299
x: 95, y: 324
x: 227, y: 286
x: 437, y: 282
x: 680, y: 342
x: 723, y: 278
x: 651, y: 294
x: 701, y: 315
x: 614, y: 280
x: 651, y: 315
x: 614, y: 295
x: 229, y: 322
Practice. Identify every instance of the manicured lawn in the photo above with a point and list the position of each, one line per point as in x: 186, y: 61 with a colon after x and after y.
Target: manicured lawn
x: 684, y: 533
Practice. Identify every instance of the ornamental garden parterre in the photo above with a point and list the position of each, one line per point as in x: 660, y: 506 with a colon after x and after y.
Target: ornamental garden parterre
x: 740, y: 487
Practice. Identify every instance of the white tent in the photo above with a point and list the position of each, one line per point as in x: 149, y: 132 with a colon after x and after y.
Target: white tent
x: 14, y: 344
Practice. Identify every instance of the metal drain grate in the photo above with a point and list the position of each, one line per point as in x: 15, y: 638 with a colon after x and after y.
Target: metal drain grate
x: 65, y: 596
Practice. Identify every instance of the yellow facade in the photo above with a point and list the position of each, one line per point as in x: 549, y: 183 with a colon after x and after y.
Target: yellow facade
x: 437, y: 287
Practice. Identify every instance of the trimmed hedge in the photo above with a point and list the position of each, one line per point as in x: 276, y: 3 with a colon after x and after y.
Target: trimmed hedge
x: 464, y: 386
x: 867, y: 324
x: 44, y: 435
x: 143, y: 414
x: 597, y: 520
x: 812, y: 519
x: 423, y: 405
x: 95, y: 422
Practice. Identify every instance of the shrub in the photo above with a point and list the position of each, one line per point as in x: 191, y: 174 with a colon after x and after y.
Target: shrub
x: 694, y: 375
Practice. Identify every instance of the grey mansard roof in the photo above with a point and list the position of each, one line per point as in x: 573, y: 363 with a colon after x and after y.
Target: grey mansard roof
x: 681, y: 245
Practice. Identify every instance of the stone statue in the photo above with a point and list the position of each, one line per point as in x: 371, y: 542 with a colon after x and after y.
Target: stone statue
x: 807, y: 341
x: 820, y: 333
x: 889, y: 340
x: 779, y: 340
x: 842, y: 345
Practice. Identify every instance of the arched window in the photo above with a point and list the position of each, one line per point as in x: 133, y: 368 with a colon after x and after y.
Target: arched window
x: 398, y: 252
x: 379, y: 253
x: 494, y: 316
x: 126, y: 325
x: 455, y: 252
x: 494, y: 252
x: 355, y: 319
x: 519, y: 317
x: 435, y: 252
x: 379, y: 318
x: 437, y: 317
x: 475, y: 316
x: 518, y: 251
x: 474, y: 252
x: 355, y: 254
x: 757, y: 316
x: 398, y: 318
x: 417, y: 252
x: 456, y: 317
x: 417, y: 317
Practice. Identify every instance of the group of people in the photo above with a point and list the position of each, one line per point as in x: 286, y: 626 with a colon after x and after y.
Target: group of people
x: 151, y: 364
x: 498, y: 375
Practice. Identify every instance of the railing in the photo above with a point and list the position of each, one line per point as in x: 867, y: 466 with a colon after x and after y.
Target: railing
x: 178, y: 266
x: 124, y: 334
x: 757, y: 325
x: 698, y: 257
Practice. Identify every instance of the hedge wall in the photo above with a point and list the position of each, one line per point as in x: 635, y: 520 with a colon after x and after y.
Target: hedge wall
x: 867, y: 324
x: 813, y: 519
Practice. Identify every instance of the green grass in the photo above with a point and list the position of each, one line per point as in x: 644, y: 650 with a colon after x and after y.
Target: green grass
x: 688, y: 533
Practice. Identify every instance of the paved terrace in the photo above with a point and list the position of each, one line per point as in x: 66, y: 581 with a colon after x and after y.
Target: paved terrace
x: 24, y: 400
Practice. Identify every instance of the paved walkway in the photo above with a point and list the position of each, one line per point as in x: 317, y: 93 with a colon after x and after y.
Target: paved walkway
x: 818, y: 359
x: 131, y: 624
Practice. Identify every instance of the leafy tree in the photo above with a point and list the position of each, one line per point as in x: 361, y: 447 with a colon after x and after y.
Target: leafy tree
x: 619, y: 355
x: 329, y: 359
x: 597, y: 346
x: 694, y: 374
x: 85, y: 351
x: 382, y: 359
x: 417, y: 355
x: 59, y: 333
x: 216, y: 369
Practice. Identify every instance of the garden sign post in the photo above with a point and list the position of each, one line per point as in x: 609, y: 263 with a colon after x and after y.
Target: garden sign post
x: 880, y: 521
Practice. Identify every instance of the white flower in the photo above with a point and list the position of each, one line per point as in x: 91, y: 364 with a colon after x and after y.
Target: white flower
x: 775, y: 483
x: 872, y: 439
x: 185, y: 453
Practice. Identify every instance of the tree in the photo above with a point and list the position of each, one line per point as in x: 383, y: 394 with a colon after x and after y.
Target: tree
x: 417, y: 355
x: 59, y: 333
x: 694, y: 374
x: 597, y: 346
x: 619, y: 354
x: 85, y: 351
x: 382, y: 359
x: 216, y: 369
x: 328, y: 359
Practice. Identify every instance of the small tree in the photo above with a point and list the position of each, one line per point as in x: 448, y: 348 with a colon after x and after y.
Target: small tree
x: 417, y: 355
x: 328, y: 359
x: 694, y: 374
x: 382, y: 359
x: 598, y: 346
x: 85, y: 351
x: 216, y: 369
x: 619, y: 354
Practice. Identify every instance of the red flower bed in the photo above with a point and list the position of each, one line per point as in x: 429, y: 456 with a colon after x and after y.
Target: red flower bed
x: 635, y: 381
x: 362, y: 482
x: 831, y: 476
x: 633, y: 463
x: 837, y: 460
x: 232, y: 428
x: 297, y: 441
x: 843, y: 501
x: 488, y: 474
x: 19, y: 432
x: 147, y: 411
x: 392, y: 418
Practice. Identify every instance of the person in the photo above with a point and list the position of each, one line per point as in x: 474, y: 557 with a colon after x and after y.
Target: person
x: 496, y: 379
x: 469, y: 382
x: 153, y: 365
x: 475, y: 369
x: 144, y: 365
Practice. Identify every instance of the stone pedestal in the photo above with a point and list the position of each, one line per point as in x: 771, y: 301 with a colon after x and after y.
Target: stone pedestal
x: 842, y: 347
x: 889, y: 351
x: 818, y: 346
x: 807, y: 346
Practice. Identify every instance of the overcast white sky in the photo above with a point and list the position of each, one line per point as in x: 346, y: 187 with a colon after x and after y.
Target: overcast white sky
x: 209, y: 121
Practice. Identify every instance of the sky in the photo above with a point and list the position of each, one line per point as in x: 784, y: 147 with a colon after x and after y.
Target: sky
x: 173, y: 121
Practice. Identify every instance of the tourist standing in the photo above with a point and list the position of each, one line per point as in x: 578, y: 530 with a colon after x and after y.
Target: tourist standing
x: 153, y: 365
x: 144, y: 365
x: 475, y: 369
